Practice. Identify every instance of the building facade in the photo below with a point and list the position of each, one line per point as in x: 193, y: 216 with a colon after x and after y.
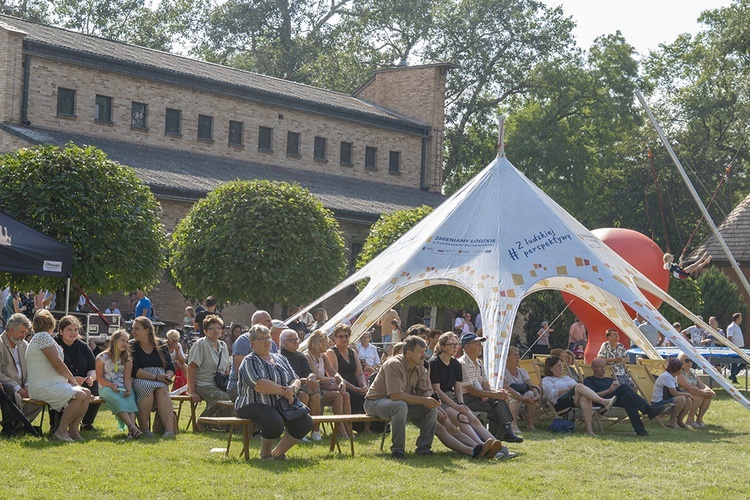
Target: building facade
x: 187, y: 126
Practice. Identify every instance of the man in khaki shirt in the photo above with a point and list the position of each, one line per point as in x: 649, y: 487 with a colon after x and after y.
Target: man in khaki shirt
x: 400, y: 392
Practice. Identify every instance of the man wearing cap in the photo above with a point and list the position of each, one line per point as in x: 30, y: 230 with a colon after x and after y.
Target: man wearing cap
x: 277, y: 326
x: 479, y: 396
x: 401, y: 392
x: 627, y: 398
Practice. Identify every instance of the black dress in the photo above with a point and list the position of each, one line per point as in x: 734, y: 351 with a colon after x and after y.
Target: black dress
x: 80, y: 360
x: 348, y: 370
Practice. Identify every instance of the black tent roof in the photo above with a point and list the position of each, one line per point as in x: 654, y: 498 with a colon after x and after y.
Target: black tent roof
x: 26, y: 251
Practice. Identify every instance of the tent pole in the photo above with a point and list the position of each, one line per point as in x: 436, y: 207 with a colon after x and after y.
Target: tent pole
x: 697, y: 199
x: 501, y: 136
x: 67, y: 297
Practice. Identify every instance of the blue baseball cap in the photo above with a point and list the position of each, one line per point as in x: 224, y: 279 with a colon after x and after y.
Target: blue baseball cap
x: 468, y: 338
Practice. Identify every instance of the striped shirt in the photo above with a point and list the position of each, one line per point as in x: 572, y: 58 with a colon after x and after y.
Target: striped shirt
x: 252, y: 369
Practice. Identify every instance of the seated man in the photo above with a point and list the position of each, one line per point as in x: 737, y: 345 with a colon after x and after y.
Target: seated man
x: 614, y: 353
x: 401, y: 392
x: 309, y: 393
x: 479, y: 396
x: 13, y: 373
x: 627, y: 398
x: 368, y: 354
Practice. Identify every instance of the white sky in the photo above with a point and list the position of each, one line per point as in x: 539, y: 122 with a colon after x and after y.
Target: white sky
x: 644, y: 23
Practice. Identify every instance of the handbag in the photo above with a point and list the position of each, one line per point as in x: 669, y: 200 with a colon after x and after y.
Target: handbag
x: 221, y: 379
x: 562, y: 426
x: 291, y: 412
x: 520, y: 388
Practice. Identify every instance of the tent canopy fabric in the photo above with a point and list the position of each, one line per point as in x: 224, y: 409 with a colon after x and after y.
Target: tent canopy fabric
x: 501, y: 238
x: 26, y: 251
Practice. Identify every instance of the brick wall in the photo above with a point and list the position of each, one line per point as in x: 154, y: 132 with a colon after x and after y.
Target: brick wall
x: 11, y: 74
x: 10, y: 143
x: 418, y: 92
x: 47, y: 75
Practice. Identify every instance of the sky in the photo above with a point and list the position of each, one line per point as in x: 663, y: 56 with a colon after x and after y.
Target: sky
x: 644, y: 23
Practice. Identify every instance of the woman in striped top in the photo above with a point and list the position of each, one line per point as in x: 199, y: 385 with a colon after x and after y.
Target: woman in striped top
x: 264, y: 378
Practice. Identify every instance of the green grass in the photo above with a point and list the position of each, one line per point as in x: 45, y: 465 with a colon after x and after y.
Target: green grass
x: 708, y: 463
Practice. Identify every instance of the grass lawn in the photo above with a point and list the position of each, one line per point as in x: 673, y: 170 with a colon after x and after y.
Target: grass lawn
x: 706, y: 463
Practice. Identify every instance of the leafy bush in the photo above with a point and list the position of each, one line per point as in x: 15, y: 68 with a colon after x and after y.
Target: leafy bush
x: 257, y: 241
x: 720, y: 296
x: 100, y: 208
x: 687, y: 293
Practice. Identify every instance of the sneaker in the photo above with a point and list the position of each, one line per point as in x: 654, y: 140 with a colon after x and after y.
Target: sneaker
x: 701, y: 425
x: 398, y: 455
x: 89, y: 428
x: 641, y: 432
x: 426, y: 453
x: 168, y: 435
x: 148, y: 434
x: 315, y: 436
x: 505, y: 454
x: 695, y: 425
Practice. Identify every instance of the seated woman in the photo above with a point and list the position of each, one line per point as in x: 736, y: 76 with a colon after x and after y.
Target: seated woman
x: 368, y: 355
x: 564, y: 392
x: 152, y: 373
x: 264, y: 378
x: 683, y: 273
x: 666, y: 391
x: 208, y: 356
x: 177, y: 355
x: 113, y: 372
x: 51, y: 381
x: 523, y: 394
x: 235, y: 330
x: 446, y: 376
x: 345, y: 361
x: 702, y: 395
x: 332, y: 386
x: 80, y: 360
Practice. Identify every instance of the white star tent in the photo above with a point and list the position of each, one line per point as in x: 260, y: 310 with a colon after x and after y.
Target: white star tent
x: 501, y: 238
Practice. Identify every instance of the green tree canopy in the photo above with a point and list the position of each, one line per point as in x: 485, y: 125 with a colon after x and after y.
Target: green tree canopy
x: 388, y: 229
x: 257, y: 241
x: 721, y: 297
x: 687, y: 293
x: 97, y: 206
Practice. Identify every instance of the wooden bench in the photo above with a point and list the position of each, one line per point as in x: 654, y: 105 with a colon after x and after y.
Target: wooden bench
x: 232, y: 422
x: 181, y: 398
x: 348, y: 419
x: 95, y: 400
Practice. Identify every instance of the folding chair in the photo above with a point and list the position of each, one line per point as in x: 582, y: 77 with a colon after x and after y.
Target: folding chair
x: 654, y: 366
x: 644, y: 382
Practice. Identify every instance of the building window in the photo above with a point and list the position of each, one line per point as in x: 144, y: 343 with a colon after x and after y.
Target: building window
x: 139, y: 115
x: 319, y: 152
x: 265, y: 139
x: 66, y: 102
x: 205, y: 127
x: 394, y: 162
x: 370, y: 158
x: 172, y: 121
x: 235, y: 133
x: 103, y: 108
x: 292, y: 143
x: 346, y: 153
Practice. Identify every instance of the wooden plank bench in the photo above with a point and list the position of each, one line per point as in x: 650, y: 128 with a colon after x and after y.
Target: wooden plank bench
x: 232, y: 422
x: 349, y: 419
x: 181, y: 398
x: 95, y: 400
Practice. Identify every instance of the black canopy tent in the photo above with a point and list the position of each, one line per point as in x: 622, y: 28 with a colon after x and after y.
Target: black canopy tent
x: 26, y: 251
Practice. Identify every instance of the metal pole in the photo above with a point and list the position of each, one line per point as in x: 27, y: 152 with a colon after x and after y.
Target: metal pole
x: 67, y: 297
x: 697, y: 199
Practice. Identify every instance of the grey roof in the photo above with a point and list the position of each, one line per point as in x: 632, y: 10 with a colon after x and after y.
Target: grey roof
x: 156, y: 64
x: 191, y: 175
x: 736, y: 232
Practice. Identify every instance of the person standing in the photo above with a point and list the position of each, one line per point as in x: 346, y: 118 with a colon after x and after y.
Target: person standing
x: 401, y: 392
x: 211, y: 306
x: 734, y: 334
x: 577, y: 335
x: 144, y: 306
x: 542, y: 343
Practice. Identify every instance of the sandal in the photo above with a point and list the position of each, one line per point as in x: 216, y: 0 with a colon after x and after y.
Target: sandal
x: 135, y: 432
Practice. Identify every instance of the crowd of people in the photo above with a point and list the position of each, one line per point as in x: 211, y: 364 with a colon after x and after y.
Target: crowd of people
x: 436, y: 380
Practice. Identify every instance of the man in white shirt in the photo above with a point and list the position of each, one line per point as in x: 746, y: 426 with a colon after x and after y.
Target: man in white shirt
x: 112, y: 309
x: 369, y: 354
x: 734, y: 334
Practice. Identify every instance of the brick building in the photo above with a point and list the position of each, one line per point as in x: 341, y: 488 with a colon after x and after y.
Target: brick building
x: 186, y: 126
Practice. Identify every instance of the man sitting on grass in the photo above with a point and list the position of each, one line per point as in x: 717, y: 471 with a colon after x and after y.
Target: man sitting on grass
x: 627, y: 398
x: 401, y: 392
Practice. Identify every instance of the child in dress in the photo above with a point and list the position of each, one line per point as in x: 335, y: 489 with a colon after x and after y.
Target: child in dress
x: 113, y: 371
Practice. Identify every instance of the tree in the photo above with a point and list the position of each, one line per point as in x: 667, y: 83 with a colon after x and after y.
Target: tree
x: 257, y: 241
x: 99, y: 207
x: 545, y: 305
x: 720, y: 296
x: 31, y: 10
x: 687, y: 293
x: 385, y: 232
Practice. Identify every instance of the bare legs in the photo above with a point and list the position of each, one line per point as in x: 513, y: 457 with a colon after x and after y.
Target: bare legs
x: 163, y: 407
x: 70, y: 421
x: 681, y: 407
x: 698, y: 409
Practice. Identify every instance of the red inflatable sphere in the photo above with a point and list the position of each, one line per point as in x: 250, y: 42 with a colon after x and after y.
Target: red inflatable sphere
x: 641, y: 253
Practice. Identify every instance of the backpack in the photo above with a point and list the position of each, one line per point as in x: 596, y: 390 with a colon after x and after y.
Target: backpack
x: 562, y: 425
